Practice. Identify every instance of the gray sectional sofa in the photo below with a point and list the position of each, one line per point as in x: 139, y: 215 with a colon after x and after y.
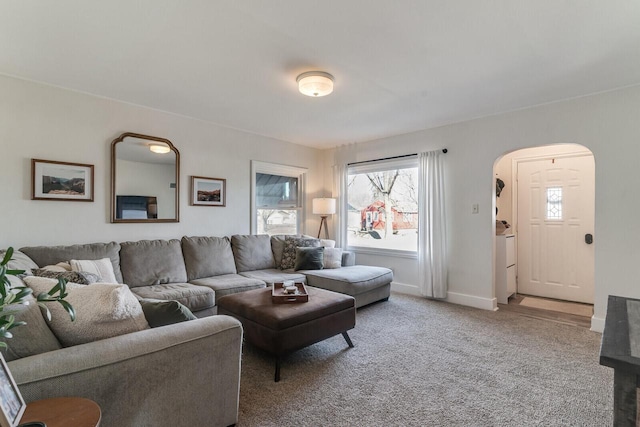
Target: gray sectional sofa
x: 186, y: 373
x: 196, y: 271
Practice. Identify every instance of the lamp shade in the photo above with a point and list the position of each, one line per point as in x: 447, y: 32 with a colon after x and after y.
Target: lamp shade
x: 324, y: 206
x: 315, y: 83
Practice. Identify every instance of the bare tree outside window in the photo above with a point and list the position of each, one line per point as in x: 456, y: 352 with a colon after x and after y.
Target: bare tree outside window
x: 383, y: 208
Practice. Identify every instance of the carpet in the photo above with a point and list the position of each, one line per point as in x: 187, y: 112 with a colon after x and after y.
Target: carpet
x: 426, y: 363
x: 561, y: 306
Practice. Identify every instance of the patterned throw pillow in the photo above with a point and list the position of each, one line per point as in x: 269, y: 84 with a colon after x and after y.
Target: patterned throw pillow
x: 80, y: 277
x: 289, y: 252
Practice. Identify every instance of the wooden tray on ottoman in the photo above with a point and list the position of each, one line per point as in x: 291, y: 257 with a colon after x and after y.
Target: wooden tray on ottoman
x: 279, y: 297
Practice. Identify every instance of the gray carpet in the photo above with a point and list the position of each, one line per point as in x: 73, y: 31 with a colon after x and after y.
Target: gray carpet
x: 425, y: 363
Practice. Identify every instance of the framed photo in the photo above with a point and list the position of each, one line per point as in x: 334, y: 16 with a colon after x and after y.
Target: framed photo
x: 12, y: 405
x: 208, y: 191
x: 61, y: 181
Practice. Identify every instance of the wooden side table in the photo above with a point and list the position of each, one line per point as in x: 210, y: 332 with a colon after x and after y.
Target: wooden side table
x: 63, y: 412
x: 620, y: 350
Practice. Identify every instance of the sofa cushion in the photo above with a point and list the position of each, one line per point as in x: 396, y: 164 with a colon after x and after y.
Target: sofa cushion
x: 20, y: 261
x: 152, y: 262
x: 195, y: 297
x: 101, y: 267
x: 252, y: 252
x: 229, y: 284
x: 81, y: 277
x: 103, y: 310
x: 290, y: 245
x: 207, y: 256
x: 47, y: 255
x: 309, y: 258
x: 350, y: 280
x: 274, y: 275
x: 33, y: 338
x: 162, y: 313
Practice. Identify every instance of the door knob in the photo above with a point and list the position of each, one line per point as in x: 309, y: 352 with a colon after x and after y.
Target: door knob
x: 588, y: 239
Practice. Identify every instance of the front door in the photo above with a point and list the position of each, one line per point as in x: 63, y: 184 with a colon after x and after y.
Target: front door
x: 556, y: 206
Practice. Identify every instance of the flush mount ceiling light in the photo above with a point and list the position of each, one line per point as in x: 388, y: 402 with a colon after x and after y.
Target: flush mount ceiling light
x: 315, y: 83
x: 159, y: 149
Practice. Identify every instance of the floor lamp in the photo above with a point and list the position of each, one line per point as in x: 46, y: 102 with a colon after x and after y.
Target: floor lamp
x: 324, y: 207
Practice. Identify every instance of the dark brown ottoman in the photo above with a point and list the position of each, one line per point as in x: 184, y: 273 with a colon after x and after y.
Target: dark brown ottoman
x: 283, y: 328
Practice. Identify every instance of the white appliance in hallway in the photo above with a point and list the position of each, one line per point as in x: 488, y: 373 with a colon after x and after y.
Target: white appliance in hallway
x: 555, y: 225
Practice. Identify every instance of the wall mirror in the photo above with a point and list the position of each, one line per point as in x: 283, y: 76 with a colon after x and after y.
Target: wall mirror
x: 145, y: 173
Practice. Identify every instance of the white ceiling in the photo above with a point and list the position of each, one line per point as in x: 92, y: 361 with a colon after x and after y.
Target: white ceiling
x: 399, y: 66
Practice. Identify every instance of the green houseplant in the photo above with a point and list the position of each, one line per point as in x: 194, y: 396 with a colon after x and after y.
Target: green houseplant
x: 11, y: 294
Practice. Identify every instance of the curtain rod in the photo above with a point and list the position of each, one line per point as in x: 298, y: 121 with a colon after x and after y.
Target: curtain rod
x: 444, y: 150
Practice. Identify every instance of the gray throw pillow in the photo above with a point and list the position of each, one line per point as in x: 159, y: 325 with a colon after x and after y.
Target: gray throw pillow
x: 33, y: 338
x: 309, y: 258
x: 81, y: 277
x: 161, y: 313
x: 289, y: 252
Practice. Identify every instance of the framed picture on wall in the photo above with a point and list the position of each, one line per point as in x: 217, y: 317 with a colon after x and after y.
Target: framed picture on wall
x: 61, y: 181
x: 208, y: 191
x: 12, y: 405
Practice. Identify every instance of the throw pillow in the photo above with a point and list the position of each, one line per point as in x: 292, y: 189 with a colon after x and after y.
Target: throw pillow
x: 289, y: 251
x: 81, y: 277
x: 309, y: 258
x: 33, y: 338
x: 332, y: 257
x: 161, y: 313
x: 102, y: 267
x: 328, y: 243
x: 103, y: 310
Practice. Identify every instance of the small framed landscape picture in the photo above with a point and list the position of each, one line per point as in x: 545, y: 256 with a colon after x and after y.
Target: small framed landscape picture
x: 208, y: 191
x: 12, y: 405
x: 61, y: 181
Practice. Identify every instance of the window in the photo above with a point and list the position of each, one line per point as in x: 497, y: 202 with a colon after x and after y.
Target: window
x: 276, y: 198
x: 554, y: 203
x: 382, y: 205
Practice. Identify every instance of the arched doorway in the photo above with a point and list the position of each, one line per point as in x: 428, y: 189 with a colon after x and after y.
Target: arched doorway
x: 547, y: 199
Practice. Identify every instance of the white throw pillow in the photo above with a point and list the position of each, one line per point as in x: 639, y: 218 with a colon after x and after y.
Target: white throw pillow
x: 332, y: 257
x: 103, y: 310
x: 101, y: 267
x: 328, y: 243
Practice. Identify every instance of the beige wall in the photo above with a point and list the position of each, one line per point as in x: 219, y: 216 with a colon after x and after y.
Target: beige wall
x: 607, y: 124
x: 39, y: 121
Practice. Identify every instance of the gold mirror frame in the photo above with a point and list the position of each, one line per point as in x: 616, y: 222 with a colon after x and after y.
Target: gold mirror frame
x: 151, y: 139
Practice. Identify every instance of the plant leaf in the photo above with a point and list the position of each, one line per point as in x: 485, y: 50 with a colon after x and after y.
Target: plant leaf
x: 7, y: 256
x: 47, y: 312
x: 69, y: 308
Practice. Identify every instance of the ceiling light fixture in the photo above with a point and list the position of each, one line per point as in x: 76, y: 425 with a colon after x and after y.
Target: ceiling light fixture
x: 315, y: 83
x: 159, y: 149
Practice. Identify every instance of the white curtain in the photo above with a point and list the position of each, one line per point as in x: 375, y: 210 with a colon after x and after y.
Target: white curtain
x: 340, y: 218
x: 432, y: 237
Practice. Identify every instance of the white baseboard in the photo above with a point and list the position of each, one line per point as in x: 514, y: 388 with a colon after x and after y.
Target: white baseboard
x: 405, y: 288
x: 597, y: 324
x: 452, y: 297
x: 472, y: 301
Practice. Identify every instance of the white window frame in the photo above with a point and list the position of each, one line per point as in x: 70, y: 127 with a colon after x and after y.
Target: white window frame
x: 410, y: 161
x: 282, y: 170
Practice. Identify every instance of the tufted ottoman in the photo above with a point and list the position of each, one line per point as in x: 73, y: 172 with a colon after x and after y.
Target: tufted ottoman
x: 283, y: 328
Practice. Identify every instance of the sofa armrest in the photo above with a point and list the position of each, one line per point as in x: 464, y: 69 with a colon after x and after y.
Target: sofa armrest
x: 182, y: 374
x: 348, y: 258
